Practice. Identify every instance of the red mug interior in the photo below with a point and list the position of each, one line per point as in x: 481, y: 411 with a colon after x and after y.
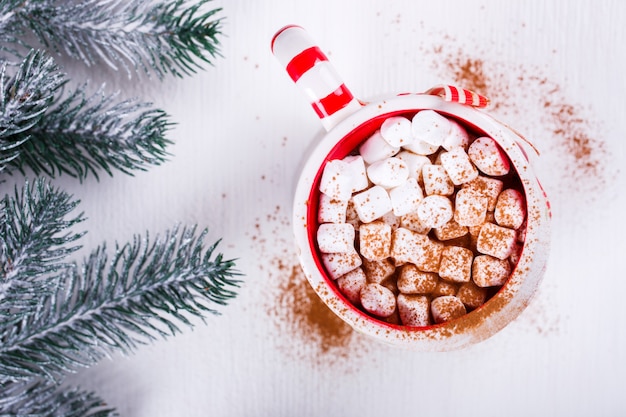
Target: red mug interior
x: 344, y: 147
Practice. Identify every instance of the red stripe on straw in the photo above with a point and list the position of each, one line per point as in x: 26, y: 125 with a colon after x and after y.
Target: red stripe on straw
x: 333, y: 102
x: 304, y: 61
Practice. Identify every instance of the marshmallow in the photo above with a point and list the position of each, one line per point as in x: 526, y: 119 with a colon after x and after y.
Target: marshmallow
x: 351, y: 284
x: 421, y: 148
x: 413, y: 281
x: 405, y: 198
x: 412, y: 222
x: 414, y: 163
x: 388, y: 173
x: 446, y: 308
x: 331, y: 210
x: 356, y: 169
x: 516, y: 254
x: 458, y: 166
x: 430, y: 127
x: 375, y: 240
x: 338, y: 264
x: 375, y: 148
x: 471, y: 295
x: 335, y: 237
x: 391, y: 219
x: 470, y: 208
x: 450, y: 230
x: 436, y: 180
x: 488, y: 187
x: 485, y: 153
x: 426, y: 253
x: 496, y: 241
x: 444, y: 288
x: 456, y: 264
x: 488, y: 271
x: 403, y: 245
x: 458, y: 137
x: 378, y: 300
x: 510, y: 209
x: 397, y: 131
x: 352, y: 217
x: 378, y: 271
x: 336, y: 181
x: 414, y: 310
x: 372, y: 203
x: 435, y: 211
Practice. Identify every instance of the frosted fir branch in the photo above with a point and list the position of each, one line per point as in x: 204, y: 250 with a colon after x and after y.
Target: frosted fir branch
x: 24, y: 99
x: 35, y: 239
x: 44, y: 399
x: 115, y: 303
x: 81, y: 135
x: 155, y: 37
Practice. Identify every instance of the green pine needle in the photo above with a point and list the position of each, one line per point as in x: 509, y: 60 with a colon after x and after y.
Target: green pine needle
x: 156, y: 37
x: 35, y: 239
x: 117, y: 302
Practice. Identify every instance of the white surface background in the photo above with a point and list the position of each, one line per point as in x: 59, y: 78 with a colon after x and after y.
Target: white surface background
x: 242, y: 128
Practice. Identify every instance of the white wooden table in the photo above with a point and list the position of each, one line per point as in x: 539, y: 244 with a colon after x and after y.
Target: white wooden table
x: 555, y: 71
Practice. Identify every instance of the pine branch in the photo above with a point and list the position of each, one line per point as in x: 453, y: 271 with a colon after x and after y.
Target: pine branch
x: 43, y: 399
x: 24, y: 98
x: 82, y: 134
x: 166, y: 37
x: 34, y: 239
x: 117, y: 303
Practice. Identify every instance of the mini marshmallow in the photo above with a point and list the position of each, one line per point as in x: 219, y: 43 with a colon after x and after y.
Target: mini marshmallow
x: 378, y: 271
x: 488, y: 271
x: 458, y: 166
x: 403, y: 245
x: 496, y: 241
x: 336, y: 181
x: 435, y: 211
x: 485, y: 153
x: 510, y: 209
x: 372, y: 203
x: 352, y: 217
x: 414, y: 163
x: 430, y: 127
x: 378, y: 300
x: 351, y: 284
x: 338, y: 264
x: 516, y: 254
x: 450, y: 230
x: 458, y: 137
x: 375, y: 148
x: 414, y: 310
x: 471, y: 295
x: 436, y: 180
x: 475, y: 230
x: 456, y: 264
x: 397, y: 131
x: 331, y: 210
x: 375, y: 240
x: 444, y: 288
x: 391, y: 219
x: 413, y: 281
x: 335, y: 237
x: 412, y: 222
x: 356, y: 169
x: 405, y: 198
x: 421, y: 148
x: 427, y: 253
x: 470, y: 208
x: 446, y: 308
x: 388, y: 173
x: 488, y: 187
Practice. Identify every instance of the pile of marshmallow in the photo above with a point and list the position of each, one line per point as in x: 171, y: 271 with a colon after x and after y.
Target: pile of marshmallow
x: 423, y: 224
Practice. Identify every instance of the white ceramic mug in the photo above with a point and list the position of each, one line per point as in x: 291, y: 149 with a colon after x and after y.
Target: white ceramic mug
x: 348, y: 122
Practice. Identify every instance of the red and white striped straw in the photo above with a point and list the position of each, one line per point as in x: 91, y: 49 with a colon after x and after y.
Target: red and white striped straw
x: 459, y: 95
x: 310, y: 69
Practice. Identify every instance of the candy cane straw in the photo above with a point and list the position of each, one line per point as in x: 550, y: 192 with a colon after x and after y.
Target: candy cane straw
x: 310, y: 69
x: 459, y: 95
